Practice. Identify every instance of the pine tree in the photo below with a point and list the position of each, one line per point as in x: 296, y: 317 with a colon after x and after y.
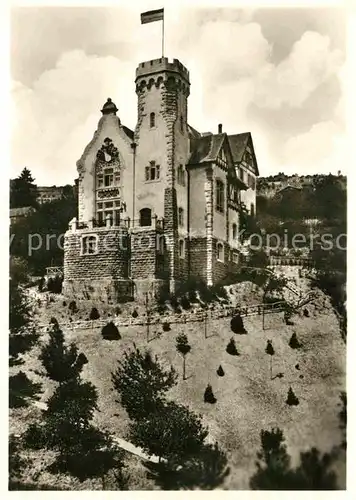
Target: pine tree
x: 183, y: 347
x: 273, y: 465
x: 209, y: 395
x: 292, y: 399
x: 23, y: 191
x: 83, y: 450
x: 172, y: 432
x: 142, y: 382
x: 270, y: 351
x: 220, y: 371
x: 231, y: 348
x: 61, y: 362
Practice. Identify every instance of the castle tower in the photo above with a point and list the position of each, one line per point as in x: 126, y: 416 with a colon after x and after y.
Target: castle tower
x: 162, y: 146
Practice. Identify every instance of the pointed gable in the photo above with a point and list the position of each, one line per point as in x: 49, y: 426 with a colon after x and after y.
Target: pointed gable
x: 239, y: 143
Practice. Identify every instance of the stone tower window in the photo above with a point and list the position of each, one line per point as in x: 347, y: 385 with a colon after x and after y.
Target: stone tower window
x: 89, y: 245
x: 220, y: 252
x: 145, y: 217
x: 180, y: 175
x: 181, y: 124
x: 234, y: 231
x: 220, y: 196
x: 152, y: 172
x: 180, y: 216
x: 252, y: 209
x: 181, y: 249
x: 152, y: 120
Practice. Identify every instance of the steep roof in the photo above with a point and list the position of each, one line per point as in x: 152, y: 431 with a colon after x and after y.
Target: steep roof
x: 128, y: 132
x: 238, y: 143
x: 193, y: 133
x: 206, y: 148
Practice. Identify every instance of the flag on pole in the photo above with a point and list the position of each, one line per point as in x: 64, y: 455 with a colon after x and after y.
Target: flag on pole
x: 151, y: 16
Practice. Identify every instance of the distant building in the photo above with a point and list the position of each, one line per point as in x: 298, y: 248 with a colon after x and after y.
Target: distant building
x: 17, y: 214
x: 46, y: 194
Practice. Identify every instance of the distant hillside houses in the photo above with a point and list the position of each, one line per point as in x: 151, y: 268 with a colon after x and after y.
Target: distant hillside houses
x: 17, y: 214
x: 273, y: 184
x: 47, y: 194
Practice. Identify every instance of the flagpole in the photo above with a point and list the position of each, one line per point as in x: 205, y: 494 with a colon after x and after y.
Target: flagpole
x: 163, y: 37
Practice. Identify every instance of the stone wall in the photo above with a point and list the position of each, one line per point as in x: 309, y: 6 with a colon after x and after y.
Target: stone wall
x: 144, y: 250
x: 198, y: 258
x: 106, y: 290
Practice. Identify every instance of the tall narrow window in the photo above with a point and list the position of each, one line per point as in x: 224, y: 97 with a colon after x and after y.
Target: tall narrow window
x: 252, y: 209
x: 234, y: 231
x: 181, y: 124
x: 180, y: 175
x: 152, y: 120
x: 145, y: 217
x: 89, y: 245
x: 220, y: 196
x: 181, y: 249
x: 220, y: 252
x: 180, y: 216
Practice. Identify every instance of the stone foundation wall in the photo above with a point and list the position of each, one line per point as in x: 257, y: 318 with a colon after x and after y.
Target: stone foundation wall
x: 198, y: 258
x: 110, y: 261
x: 106, y: 290
x: 220, y: 269
x: 144, y: 253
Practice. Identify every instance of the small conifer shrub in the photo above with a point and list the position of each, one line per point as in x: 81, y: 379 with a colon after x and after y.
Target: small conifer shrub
x: 209, y: 395
x: 166, y: 326
x: 231, y: 348
x: 134, y: 313
x: 292, y: 399
x: 110, y: 332
x: 220, y: 371
x: 306, y: 313
x: 237, y: 325
x: 294, y: 342
x: 94, y: 314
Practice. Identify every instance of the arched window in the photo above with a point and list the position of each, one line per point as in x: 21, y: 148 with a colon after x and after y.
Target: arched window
x: 234, y: 231
x: 180, y: 216
x: 220, y: 196
x: 181, y: 249
x: 89, y: 245
x: 220, y: 252
x: 252, y: 209
x: 152, y: 120
x: 145, y: 217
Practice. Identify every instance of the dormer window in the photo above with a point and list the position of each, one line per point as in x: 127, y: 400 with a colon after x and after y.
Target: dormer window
x: 152, y: 120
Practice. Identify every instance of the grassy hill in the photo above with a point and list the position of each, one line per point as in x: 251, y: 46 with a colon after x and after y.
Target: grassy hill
x: 247, y: 399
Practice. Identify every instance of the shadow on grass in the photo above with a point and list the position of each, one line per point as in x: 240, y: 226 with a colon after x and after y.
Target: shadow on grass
x: 21, y: 388
x: 206, y: 471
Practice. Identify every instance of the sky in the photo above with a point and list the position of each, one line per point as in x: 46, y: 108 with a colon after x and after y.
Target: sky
x: 277, y: 73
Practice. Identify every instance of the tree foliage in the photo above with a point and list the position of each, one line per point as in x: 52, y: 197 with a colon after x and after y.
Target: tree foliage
x: 172, y: 432
x: 23, y: 191
x: 142, y: 381
x: 60, y: 361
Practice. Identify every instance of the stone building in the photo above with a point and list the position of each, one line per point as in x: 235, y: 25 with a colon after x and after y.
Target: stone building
x: 158, y: 204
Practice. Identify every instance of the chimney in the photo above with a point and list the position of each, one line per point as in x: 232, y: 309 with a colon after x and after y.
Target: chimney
x: 220, y: 128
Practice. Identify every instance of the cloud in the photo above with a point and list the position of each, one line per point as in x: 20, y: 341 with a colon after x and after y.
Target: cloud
x: 55, y: 119
x: 231, y: 67
x: 310, y: 63
x: 322, y: 147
